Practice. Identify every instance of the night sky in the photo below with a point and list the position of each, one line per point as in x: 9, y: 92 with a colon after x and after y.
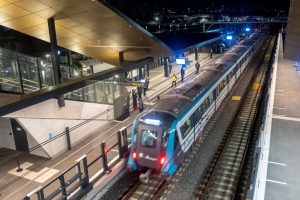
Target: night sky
x: 138, y: 7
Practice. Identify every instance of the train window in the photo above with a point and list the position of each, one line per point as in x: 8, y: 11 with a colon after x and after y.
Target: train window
x: 222, y: 85
x: 235, y: 70
x: 165, y: 138
x: 197, y: 115
x: 209, y: 100
x: 148, y: 138
x: 176, y: 140
x: 186, y: 127
x: 229, y: 76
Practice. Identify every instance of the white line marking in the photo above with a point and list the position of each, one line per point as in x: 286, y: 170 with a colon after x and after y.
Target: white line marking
x: 283, y: 117
x: 279, y: 108
x: 277, y: 163
x: 279, y: 90
x: 114, y: 150
x: 279, y: 94
x: 279, y: 182
x: 276, y: 115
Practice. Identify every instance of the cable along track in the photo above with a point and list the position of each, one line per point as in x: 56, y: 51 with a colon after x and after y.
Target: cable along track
x: 223, y: 175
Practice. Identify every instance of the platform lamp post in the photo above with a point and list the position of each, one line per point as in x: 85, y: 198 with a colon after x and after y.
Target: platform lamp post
x: 18, y: 163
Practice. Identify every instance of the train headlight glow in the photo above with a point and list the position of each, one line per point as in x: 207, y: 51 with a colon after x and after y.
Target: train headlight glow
x: 152, y: 122
x: 134, y: 155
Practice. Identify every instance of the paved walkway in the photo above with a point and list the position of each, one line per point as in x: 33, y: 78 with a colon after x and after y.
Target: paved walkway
x: 39, y: 171
x: 280, y: 177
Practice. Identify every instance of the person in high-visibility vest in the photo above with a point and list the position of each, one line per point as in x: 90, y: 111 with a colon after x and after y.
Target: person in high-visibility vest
x: 174, y: 79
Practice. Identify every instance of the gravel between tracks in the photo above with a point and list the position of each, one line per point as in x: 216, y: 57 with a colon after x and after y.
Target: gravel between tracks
x: 120, y: 186
x: 185, y: 181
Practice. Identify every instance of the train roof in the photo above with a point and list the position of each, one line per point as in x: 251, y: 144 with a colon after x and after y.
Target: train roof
x: 179, y: 98
x: 172, y: 104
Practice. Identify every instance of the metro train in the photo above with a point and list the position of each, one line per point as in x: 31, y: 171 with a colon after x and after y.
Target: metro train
x: 162, y: 135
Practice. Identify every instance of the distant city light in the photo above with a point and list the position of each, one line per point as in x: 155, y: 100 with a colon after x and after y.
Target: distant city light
x: 47, y: 55
x: 247, y: 29
x: 229, y: 37
x: 156, y: 18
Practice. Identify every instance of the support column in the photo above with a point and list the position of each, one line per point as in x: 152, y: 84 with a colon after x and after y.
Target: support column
x: 140, y: 73
x: 196, y: 54
x: 70, y: 60
x: 54, y: 49
x: 121, y: 57
x: 55, y: 58
x: 203, y: 27
x: 147, y: 67
x: 166, y: 67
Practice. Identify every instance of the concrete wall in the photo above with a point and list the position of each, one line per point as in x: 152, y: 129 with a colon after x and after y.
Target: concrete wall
x: 6, y: 140
x: 46, y: 118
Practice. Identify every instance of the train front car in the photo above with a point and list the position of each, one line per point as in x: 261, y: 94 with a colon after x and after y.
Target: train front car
x: 154, y: 137
x: 149, y: 140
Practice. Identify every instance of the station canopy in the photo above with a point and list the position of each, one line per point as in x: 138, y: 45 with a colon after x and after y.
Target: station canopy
x: 85, y: 26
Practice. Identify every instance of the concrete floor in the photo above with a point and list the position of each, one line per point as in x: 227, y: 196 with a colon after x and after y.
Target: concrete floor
x: 283, y: 177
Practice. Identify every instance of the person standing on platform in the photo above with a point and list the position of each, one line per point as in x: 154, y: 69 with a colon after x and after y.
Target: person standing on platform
x: 182, y: 72
x: 141, y: 105
x: 139, y: 92
x: 157, y: 97
x: 134, y: 99
x: 170, y: 68
x: 174, y: 79
x: 145, y: 88
x: 197, y: 66
x: 147, y: 82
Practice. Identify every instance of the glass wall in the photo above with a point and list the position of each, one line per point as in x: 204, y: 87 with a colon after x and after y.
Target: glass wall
x: 99, y: 92
x: 22, y: 73
x: 9, y: 72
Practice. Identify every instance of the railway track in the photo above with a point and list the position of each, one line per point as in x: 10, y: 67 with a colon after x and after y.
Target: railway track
x: 143, y: 191
x: 223, y: 174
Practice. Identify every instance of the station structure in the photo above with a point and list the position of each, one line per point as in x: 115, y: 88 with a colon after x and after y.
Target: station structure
x: 54, y: 115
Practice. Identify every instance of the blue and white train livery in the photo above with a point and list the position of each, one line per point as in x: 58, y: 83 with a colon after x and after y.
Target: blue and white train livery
x: 162, y: 135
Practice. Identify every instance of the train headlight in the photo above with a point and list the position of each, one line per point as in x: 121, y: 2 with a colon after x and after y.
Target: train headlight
x: 134, y: 155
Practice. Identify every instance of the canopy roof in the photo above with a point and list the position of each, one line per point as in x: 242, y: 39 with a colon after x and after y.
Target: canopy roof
x: 85, y: 26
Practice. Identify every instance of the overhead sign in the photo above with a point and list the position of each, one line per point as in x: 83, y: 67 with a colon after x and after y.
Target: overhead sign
x: 229, y: 37
x: 180, y: 61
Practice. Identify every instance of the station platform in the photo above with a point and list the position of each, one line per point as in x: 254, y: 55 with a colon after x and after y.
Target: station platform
x: 38, y: 171
x: 278, y: 172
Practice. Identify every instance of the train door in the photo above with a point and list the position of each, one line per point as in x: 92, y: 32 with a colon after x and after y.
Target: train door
x: 149, y: 146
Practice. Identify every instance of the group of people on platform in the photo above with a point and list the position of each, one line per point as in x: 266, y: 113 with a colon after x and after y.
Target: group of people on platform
x: 137, y: 100
x: 182, y: 73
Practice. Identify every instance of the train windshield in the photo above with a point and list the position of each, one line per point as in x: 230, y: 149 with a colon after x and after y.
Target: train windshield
x: 148, y: 139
